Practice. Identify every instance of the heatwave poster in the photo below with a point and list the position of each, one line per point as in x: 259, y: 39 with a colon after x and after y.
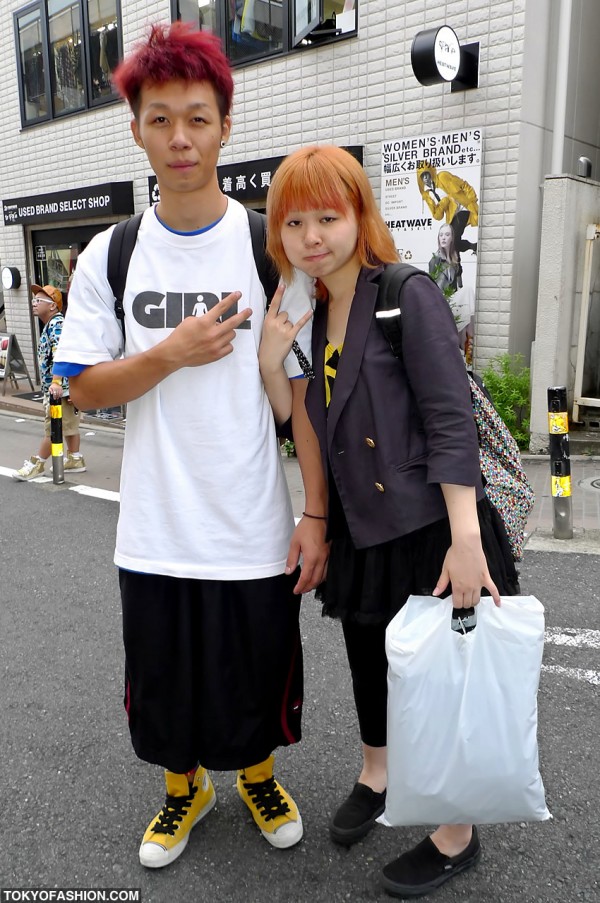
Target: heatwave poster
x: 430, y: 187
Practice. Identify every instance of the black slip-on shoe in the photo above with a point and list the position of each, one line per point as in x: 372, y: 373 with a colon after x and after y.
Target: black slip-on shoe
x: 356, y: 816
x: 424, y: 868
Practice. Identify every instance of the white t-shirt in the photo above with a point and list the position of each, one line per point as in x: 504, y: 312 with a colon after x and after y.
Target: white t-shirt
x: 203, y: 492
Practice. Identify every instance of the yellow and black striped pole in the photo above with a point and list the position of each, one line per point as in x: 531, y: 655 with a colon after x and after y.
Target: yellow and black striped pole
x: 56, y: 440
x: 560, y: 463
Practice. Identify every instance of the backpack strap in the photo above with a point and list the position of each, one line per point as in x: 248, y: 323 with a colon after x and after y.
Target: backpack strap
x: 120, y: 249
x: 124, y: 237
x: 477, y: 379
x: 267, y: 273
x: 388, y: 311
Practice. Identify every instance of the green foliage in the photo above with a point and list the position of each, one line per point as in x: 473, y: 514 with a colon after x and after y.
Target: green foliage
x: 508, y: 382
x: 447, y: 291
x: 289, y: 448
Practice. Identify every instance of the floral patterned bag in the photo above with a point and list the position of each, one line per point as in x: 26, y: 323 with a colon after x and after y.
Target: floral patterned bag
x: 505, y: 482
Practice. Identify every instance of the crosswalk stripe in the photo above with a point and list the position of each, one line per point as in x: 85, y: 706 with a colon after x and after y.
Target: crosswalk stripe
x: 95, y: 493
x: 591, y: 677
x: 573, y: 636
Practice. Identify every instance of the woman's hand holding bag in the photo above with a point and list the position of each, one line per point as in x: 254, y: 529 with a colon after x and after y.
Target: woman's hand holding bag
x: 462, y: 714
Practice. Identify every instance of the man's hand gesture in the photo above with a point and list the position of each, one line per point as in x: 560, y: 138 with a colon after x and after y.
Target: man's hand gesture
x: 202, y: 340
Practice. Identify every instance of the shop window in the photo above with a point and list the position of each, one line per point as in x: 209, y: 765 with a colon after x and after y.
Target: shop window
x: 66, y: 51
x: 202, y: 13
x: 104, y: 41
x: 318, y: 21
x: 66, y: 62
x: 253, y: 29
x: 56, y: 252
x: 306, y: 18
x: 32, y: 66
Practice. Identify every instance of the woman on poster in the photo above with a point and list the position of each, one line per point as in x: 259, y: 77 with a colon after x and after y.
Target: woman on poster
x: 446, y: 270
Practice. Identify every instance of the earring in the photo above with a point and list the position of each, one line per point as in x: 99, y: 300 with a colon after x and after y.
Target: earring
x: 223, y: 143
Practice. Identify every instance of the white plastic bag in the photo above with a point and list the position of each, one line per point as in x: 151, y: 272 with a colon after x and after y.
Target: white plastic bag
x: 462, y: 714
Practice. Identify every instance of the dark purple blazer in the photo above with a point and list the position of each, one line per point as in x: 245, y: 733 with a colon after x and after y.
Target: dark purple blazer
x: 395, y: 428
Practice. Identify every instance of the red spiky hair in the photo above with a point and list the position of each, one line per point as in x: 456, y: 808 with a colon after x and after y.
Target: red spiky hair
x: 175, y: 52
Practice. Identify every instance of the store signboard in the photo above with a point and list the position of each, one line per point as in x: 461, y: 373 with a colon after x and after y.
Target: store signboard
x: 12, y: 363
x: 110, y: 198
x: 430, y: 189
x: 247, y: 181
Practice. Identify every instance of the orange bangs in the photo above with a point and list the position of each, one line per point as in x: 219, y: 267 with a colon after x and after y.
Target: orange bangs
x: 325, y: 177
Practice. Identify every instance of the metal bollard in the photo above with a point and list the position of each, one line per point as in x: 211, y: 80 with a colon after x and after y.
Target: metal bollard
x: 560, y: 463
x: 56, y: 440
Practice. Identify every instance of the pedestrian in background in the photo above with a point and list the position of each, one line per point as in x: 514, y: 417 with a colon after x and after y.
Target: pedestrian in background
x: 47, y: 307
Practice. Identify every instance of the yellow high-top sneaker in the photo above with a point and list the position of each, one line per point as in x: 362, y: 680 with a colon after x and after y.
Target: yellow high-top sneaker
x: 273, y: 810
x: 186, y: 804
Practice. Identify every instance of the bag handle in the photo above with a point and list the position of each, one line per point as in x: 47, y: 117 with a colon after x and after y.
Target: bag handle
x: 464, y: 620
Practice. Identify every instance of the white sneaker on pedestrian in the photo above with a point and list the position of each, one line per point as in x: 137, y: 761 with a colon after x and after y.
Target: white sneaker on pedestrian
x: 32, y: 467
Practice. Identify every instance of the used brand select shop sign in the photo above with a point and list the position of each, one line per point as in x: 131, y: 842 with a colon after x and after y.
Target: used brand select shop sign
x: 94, y: 200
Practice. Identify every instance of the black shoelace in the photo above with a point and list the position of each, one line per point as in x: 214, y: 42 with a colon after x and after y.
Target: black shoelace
x: 173, y: 811
x: 267, y: 798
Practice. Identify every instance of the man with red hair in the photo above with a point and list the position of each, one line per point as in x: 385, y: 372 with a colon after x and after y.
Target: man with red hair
x: 206, y: 546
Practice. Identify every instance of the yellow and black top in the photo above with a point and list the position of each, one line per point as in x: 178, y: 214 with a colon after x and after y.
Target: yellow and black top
x: 332, y: 359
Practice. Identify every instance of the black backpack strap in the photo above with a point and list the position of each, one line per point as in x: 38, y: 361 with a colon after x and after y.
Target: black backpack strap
x: 388, y: 311
x: 120, y: 249
x: 267, y: 273
x: 478, y: 380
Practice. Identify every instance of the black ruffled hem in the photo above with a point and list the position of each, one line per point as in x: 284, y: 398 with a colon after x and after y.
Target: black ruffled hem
x: 369, y: 586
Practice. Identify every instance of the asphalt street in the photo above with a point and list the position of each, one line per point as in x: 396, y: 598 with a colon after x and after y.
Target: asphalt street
x: 75, y: 801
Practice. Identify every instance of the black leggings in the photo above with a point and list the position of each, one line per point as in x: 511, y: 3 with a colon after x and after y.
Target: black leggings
x: 365, y: 642
x: 365, y: 646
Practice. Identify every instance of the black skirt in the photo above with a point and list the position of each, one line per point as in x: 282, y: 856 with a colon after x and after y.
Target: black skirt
x: 369, y: 586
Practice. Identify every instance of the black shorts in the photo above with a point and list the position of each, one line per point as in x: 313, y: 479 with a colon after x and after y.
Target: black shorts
x: 213, y: 669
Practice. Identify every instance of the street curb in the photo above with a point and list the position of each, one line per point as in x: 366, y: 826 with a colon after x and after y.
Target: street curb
x: 584, y: 542
x: 37, y: 413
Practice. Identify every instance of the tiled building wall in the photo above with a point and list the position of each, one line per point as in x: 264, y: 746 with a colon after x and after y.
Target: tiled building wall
x: 360, y: 93
x: 356, y: 92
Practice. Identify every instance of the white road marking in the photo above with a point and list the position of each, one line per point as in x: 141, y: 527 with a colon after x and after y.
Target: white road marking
x: 8, y: 472
x: 91, y: 491
x: 590, y: 677
x: 575, y: 638
x: 572, y: 636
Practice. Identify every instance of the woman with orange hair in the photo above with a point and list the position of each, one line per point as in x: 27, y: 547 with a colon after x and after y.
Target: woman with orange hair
x: 406, y: 508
